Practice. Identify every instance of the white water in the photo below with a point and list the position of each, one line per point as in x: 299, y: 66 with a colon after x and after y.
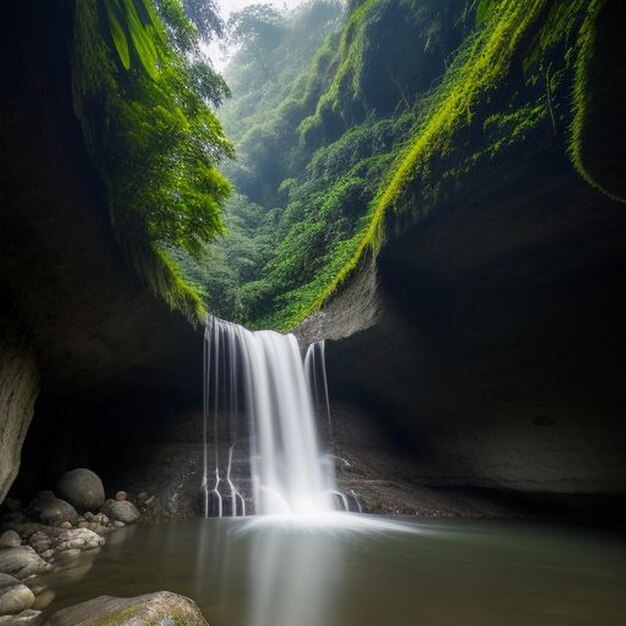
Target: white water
x: 263, y: 373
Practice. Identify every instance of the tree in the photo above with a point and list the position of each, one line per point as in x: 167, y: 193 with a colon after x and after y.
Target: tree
x: 256, y: 30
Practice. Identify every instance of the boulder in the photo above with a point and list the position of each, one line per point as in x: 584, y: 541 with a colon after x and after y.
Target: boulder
x: 77, y: 538
x: 124, y: 511
x: 10, y: 539
x: 162, y: 607
x: 52, y: 510
x: 21, y: 562
x: 15, y: 597
x: 82, y: 488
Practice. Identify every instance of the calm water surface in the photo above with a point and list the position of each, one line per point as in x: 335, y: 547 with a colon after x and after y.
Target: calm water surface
x: 426, y: 574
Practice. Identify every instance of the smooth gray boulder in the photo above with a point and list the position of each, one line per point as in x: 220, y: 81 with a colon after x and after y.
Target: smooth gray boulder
x: 15, y: 597
x: 124, y: 511
x: 58, y: 511
x: 10, y: 539
x: 82, y: 488
x: 21, y: 562
x: 162, y: 607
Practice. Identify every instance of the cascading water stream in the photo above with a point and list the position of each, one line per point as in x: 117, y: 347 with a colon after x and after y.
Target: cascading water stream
x: 263, y: 372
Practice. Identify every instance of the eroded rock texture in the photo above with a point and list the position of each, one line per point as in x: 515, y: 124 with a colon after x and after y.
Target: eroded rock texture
x: 19, y: 386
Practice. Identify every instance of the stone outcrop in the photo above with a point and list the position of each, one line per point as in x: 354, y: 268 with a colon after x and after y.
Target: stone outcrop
x: 497, y: 354
x: 156, y: 608
x: 19, y: 386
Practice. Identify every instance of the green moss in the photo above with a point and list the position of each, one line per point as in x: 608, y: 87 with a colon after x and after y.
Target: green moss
x: 478, y: 68
x: 583, y: 96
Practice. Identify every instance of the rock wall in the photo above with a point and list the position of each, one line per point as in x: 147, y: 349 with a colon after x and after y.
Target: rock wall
x: 499, y: 351
x: 19, y: 386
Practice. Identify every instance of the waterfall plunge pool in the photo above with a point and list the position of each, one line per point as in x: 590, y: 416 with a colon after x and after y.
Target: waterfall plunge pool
x: 264, y: 572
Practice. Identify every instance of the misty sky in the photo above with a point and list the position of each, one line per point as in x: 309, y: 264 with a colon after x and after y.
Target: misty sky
x: 218, y: 55
x: 228, y: 6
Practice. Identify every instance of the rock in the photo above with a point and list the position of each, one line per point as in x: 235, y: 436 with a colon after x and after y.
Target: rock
x: 66, y: 525
x: 21, y: 562
x: 142, y: 497
x: 100, y: 518
x: 15, y: 597
x: 118, y: 524
x: 53, y: 511
x: 44, y: 599
x: 77, y: 538
x: 40, y: 541
x: 120, y: 496
x: 10, y: 539
x: 163, y: 607
x: 28, y: 529
x: 83, y: 524
x: 67, y: 556
x: 124, y: 511
x: 47, y: 554
x: 82, y: 488
x: 46, y: 496
x: 97, y: 528
x: 29, y: 616
x: 10, y: 505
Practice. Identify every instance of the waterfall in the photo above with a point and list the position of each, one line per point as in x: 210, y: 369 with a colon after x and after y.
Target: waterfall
x: 261, y: 375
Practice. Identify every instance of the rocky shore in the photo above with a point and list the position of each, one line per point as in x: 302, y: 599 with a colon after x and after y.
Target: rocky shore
x: 51, y: 532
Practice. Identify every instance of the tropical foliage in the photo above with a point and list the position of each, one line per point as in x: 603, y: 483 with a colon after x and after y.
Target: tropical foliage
x: 396, y: 108
x: 144, y: 96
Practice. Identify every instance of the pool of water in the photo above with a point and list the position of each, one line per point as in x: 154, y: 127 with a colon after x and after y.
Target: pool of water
x: 244, y: 573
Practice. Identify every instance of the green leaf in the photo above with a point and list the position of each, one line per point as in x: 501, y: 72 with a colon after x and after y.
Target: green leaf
x: 142, y: 37
x: 119, y: 36
x: 484, y: 9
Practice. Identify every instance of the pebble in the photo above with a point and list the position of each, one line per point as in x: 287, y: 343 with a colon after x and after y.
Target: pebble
x: 120, y: 496
x: 10, y: 539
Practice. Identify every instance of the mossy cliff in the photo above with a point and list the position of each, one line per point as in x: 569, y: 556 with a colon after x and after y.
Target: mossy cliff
x: 499, y: 286
x: 401, y: 106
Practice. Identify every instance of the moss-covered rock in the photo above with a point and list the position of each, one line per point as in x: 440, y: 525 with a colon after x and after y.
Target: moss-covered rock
x: 156, y: 609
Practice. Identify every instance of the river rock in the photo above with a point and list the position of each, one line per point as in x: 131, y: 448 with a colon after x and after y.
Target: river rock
x: 120, y: 496
x: 163, y: 607
x: 52, y: 510
x: 82, y: 488
x: 124, y: 511
x: 28, y: 617
x: 21, y: 562
x: 40, y: 541
x: 77, y: 538
x: 10, y: 539
x: 14, y: 596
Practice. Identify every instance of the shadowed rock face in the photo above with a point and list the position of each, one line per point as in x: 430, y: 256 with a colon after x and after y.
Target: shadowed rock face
x: 19, y: 386
x: 88, y: 328
x: 500, y: 350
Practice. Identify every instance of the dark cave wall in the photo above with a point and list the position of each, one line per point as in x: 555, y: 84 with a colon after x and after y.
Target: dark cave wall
x: 77, y: 323
x: 500, y: 350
